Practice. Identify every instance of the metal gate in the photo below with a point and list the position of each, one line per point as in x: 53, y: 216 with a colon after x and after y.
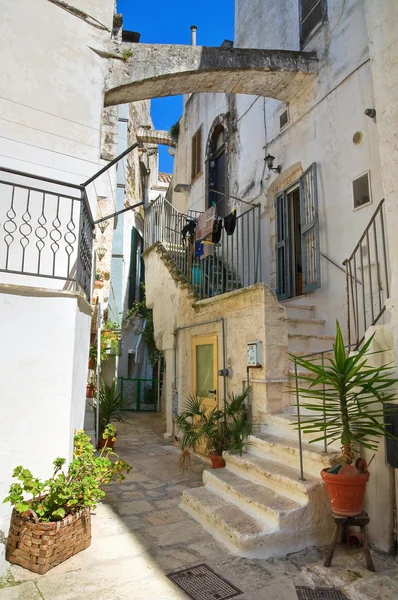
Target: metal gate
x: 140, y: 395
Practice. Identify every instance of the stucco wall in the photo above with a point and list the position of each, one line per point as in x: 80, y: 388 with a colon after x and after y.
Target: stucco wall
x: 43, y: 372
x: 249, y: 314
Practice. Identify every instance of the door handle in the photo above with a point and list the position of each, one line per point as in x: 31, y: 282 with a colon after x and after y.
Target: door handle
x: 212, y: 391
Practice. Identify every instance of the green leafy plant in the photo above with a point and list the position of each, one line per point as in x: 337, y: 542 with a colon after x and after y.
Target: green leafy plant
x: 216, y: 430
x: 353, y: 392
x: 147, y: 331
x: 175, y: 130
x: 126, y: 53
x: 67, y: 491
x: 110, y: 326
x: 111, y: 405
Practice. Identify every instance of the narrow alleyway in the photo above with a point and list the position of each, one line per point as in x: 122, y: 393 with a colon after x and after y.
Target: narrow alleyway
x: 140, y: 534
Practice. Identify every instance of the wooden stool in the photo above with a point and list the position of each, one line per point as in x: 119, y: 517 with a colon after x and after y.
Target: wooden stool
x: 341, y: 523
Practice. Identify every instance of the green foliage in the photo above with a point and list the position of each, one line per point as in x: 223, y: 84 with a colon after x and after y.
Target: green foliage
x: 126, y: 53
x: 141, y: 310
x: 110, y: 326
x: 354, y: 394
x: 175, y: 130
x: 111, y: 405
x: 67, y: 491
x: 217, y: 430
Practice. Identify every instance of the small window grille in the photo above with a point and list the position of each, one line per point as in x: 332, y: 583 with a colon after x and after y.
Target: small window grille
x: 283, y: 119
x: 196, y: 154
x: 312, y: 14
x: 361, y: 191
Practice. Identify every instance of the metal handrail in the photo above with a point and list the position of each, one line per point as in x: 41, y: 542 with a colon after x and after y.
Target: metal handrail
x: 366, y: 306
x: 232, y: 263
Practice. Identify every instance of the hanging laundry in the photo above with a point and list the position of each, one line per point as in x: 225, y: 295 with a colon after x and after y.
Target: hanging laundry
x: 216, y: 235
x: 230, y: 222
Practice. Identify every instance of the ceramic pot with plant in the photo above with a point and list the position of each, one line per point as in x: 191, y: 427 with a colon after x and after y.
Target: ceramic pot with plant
x: 90, y: 390
x: 213, y: 431
x: 111, y: 407
x: 92, y: 358
x: 54, y: 514
x: 347, y: 396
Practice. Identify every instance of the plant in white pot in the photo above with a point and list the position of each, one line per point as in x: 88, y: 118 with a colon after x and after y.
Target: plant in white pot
x: 347, y: 398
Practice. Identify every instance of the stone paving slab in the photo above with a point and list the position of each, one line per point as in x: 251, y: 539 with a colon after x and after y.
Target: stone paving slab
x: 140, y: 534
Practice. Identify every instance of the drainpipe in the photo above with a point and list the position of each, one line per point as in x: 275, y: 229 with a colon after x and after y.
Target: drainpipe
x: 194, y: 29
x: 224, y: 350
x: 99, y: 326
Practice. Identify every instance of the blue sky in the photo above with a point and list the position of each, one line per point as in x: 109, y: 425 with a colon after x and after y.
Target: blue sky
x: 161, y: 22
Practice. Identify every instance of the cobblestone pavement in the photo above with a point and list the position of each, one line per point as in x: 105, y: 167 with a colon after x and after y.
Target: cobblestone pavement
x: 140, y: 533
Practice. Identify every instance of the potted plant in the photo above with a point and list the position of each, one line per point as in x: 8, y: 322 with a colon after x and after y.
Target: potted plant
x: 214, y: 430
x: 349, y: 396
x: 92, y: 357
x: 55, y: 522
x: 111, y: 405
x: 90, y: 388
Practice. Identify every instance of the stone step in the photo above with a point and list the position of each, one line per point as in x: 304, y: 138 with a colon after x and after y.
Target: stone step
x: 282, y: 425
x: 239, y: 531
x: 255, y: 499
x: 297, y: 310
x: 287, y: 451
x: 309, y: 343
x: 283, y: 479
x: 305, y: 325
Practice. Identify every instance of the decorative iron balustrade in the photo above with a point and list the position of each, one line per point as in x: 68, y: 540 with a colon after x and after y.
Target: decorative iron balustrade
x: 367, y: 277
x: 46, y: 230
x: 232, y: 263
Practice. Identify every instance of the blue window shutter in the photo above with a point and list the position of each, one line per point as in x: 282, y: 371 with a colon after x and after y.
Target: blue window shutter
x: 310, y: 250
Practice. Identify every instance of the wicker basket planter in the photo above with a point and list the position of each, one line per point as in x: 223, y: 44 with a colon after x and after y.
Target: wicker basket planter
x: 41, y: 546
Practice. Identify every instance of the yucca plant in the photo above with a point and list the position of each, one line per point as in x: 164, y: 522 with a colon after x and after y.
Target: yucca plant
x: 349, y: 405
x: 213, y: 430
x: 111, y: 405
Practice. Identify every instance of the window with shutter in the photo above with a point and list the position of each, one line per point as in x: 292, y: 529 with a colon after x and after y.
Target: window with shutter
x: 312, y: 15
x: 196, y: 168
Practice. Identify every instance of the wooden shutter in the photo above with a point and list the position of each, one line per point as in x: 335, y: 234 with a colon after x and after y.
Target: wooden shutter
x: 310, y: 250
x: 282, y: 247
x: 196, y: 158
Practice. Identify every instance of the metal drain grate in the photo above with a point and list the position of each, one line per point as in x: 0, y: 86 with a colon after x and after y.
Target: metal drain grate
x: 201, y: 583
x: 305, y: 593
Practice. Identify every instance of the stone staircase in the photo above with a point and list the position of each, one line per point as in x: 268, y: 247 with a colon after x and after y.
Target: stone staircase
x: 258, y: 506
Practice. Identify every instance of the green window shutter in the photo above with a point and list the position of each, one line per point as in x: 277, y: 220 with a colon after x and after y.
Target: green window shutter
x: 282, y: 247
x: 310, y: 249
x: 133, y: 268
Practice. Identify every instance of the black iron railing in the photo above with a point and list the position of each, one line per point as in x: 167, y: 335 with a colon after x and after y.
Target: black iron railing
x: 230, y: 264
x: 46, y: 229
x: 367, y: 279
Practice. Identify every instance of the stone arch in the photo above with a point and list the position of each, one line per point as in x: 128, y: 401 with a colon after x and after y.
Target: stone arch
x: 154, y: 71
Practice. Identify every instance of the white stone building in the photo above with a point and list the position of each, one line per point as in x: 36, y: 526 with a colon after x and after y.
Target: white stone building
x: 305, y: 178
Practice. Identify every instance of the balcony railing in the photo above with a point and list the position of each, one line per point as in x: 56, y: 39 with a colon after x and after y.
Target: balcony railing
x: 232, y: 263
x: 46, y: 231
x: 367, y: 275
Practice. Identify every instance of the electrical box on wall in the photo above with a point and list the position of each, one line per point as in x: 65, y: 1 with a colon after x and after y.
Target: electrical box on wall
x: 255, y: 354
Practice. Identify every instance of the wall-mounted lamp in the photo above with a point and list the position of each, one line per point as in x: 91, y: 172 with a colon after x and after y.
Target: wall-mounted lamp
x: 103, y: 225
x: 269, y: 161
x: 100, y: 252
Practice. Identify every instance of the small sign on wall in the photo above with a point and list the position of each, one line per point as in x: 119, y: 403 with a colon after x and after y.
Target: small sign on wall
x: 255, y: 354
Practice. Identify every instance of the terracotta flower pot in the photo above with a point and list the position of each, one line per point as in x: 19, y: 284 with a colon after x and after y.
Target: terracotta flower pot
x: 345, y: 492
x: 90, y: 391
x: 109, y: 443
x: 217, y: 461
x: 91, y: 364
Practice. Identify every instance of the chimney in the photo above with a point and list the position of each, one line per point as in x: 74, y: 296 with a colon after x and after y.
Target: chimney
x: 193, y: 35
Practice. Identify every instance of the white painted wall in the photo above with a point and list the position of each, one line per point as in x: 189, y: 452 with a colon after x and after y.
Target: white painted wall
x: 43, y: 371
x: 51, y: 109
